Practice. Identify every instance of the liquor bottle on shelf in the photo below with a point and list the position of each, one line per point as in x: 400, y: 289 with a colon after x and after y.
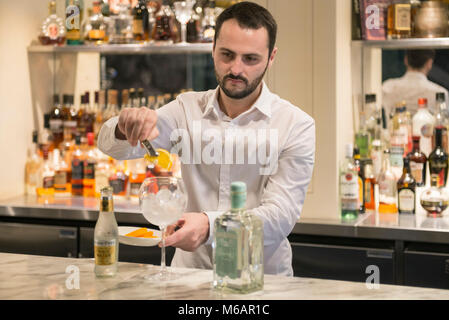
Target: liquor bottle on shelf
x: 106, y: 244
x: 160, y: 102
x: 95, y: 29
x: 406, y: 186
x: 194, y: 27
x: 74, y: 18
x: 438, y: 160
x: 238, y: 247
x: 56, y: 121
x: 46, y: 143
x: 69, y: 116
x: 399, y: 20
x: 63, y: 175
x: 141, y: 97
x: 377, y: 146
x: 349, y: 187
x: 369, y: 184
x: 371, y: 114
x: 90, y: 162
x: 32, y: 166
x: 52, y: 29
x: 119, y: 179
x: 423, y: 124
x: 81, y: 117
x: 132, y: 98
x: 121, y: 27
x: 418, y: 163
x: 441, y: 121
x: 360, y: 179
x: 387, y: 187
x: 151, y: 102
x: 163, y: 30
x: 208, y: 23
x: 399, y: 138
x: 45, y: 186
x: 141, y: 22
x: 112, y: 107
x: 362, y: 138
x: 77, y: 168
x: 97, y: 115
x: 101, y: 109
x: 137, y: 173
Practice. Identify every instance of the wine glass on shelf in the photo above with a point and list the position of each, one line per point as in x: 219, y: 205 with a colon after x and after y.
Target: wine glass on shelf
x: 183, y: 12
x: 162, y: 201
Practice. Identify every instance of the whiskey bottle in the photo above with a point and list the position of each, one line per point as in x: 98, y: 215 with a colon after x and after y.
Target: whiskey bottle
x: 106, y: 245
x: 164, y: 25
x: 387, y: 187
x: 418, y: 163
x: 438, y: 160
x: 69, y: 116
x: 349, y: 187
x: 121, y: 26
x: 208, y: 23
x: 56, y: 121
x: 52, y: 30
x: 95, y: 29
x: 406, y: 190
x: 63, y: 175
x: 399, y: 20
x: 74, y: 18
x: 45, y: 186
x: 140, y: 22
x: 77, y: 168
x: 238, y: 247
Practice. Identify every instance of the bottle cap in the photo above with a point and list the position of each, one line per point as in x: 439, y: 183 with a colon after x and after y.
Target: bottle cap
x: 370, y: 98
x: 56, y: 99
x: 47, y: 120
x: 35, y: 136
x: 416, y: 138
x: 440, y: 96
x: 238, y: 194
x: 90, y: 138
x: 422, y: 102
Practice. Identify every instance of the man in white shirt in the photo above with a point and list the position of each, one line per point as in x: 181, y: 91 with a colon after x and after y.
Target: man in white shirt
x: 413, y: 84
x: 237, y: 132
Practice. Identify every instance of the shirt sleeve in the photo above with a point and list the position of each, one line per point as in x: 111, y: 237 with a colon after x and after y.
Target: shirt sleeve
x: 122, y: 150
x: 285, y: 192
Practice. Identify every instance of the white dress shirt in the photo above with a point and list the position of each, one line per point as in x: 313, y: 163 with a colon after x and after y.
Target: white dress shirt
x: 212, y: 157
x: 410, y: 87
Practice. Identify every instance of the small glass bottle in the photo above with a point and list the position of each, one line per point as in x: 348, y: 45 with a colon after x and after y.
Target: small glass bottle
x: 349, y: 186
x: 140, y: 22
x: 208, y: 23
x: 438, y: 160
x: 52, y: 30
x: 418, y: 163
x: 119, y: 179
x: 164, y: 26
x: 434, y: 199
x: 106, y: 243
x: 238, y: 247
x: 406, y: 190
x: 74, y: 18
x: 95, y: 29
x: 387, y: 187
x: 47, y: 177
x: 399, y: 20
x: 121, y: 26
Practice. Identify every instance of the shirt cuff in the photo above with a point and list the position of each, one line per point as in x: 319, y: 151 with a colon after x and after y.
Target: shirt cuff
x: 212, y: 215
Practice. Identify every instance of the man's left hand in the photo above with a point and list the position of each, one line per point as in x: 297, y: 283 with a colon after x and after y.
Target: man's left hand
x: 193, y: 231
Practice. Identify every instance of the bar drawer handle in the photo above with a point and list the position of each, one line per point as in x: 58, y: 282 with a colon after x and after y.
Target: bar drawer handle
x: 379, y: 254
x: 67, y: 234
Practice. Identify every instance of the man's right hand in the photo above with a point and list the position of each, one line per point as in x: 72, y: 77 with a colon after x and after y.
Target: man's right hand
x: 136, y: 124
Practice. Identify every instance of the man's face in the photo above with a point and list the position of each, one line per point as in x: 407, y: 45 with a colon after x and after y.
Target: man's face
x: 241, y: 58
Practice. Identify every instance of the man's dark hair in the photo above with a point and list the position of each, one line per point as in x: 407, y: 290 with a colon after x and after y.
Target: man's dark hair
x: 418, y: 58
x: 251, y: 16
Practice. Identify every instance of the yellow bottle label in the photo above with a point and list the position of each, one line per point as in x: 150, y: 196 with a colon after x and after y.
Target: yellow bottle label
x: 105, y: 252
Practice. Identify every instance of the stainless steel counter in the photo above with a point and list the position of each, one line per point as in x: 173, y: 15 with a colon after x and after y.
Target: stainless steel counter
x: 370, y: 225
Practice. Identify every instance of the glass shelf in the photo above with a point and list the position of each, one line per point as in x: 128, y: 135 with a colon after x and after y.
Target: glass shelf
x: 125, y: 48
x: 422, y: 43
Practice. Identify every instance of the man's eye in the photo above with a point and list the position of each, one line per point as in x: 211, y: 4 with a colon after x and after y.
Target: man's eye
x: 250, y: 59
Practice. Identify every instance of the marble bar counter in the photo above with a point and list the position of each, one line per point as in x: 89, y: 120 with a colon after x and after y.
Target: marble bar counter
x: 25, y: 277
x: 370, y: 225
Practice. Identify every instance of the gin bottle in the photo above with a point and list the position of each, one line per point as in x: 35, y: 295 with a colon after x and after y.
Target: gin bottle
x: 238, y: 247
x: 106, y: 237
x: 349, y: 187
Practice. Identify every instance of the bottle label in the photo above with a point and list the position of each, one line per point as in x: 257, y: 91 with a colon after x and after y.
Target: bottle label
x: 48, y: 182
x: 117, y: 185
x: 105, y: 252
x: 406, y: 200
x: 349, y: 189
x: 228, y: 253
x: 396, y: 156
x: 137, y: 26
x: 60, y: 180
x: 367, y: 192
x: 77, y: 169
x: 417, y: 170
x: 96, y: 34
x: 53, y: 31
x: 56, y: 125
x: 402, y: 17
x: 427, y: 130
x: 89, y: 170
x: 134, y: 188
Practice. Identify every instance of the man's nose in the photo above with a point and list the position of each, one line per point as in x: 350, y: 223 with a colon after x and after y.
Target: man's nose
x: 237, y: 67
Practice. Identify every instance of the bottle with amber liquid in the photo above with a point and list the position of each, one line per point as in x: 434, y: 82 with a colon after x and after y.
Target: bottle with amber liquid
x: 369, y: 184
x: 89, y: 167
x: 63, y: 175
x: 406, y: 190
x: 387, y: 187
x: 163, y: 29
x: 119, y: 179
x: 438, y: 160
x: 399, y: 21
x: 418, y: 163
x: 141, y: 22
x: 77, y: 168
x: 52, y: 30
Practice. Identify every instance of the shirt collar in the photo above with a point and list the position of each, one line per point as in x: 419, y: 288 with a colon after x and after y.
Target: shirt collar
x: 262, y: 104
x: 415, y: 74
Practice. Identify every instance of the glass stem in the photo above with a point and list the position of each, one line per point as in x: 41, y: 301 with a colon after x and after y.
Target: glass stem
x: 163, y: 266
x: 184, y: 33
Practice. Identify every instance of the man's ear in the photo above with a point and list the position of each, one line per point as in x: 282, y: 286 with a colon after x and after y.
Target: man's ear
x: 273, y: 55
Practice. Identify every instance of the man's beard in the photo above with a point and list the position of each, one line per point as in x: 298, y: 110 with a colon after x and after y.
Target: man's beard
x: 250, y: 87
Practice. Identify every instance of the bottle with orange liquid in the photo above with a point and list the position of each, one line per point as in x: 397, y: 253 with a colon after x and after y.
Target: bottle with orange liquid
x: 387, y: 187
x: 137, y: 174
x: 90, y: 162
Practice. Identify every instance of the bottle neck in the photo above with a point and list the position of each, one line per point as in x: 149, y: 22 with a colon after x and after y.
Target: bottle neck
x: 438, y: 139
x: 416, y: 146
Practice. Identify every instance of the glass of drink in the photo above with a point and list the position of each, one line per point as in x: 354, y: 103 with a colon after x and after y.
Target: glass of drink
x: 162, y: 201
x: 183, y: 12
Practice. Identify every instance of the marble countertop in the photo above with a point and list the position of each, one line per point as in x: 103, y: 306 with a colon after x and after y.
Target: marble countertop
x: 40, y: 277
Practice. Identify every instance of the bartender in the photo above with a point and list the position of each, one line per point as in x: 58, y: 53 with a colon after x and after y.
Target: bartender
x: 276, y: 162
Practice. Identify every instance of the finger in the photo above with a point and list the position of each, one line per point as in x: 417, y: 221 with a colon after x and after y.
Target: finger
x: 176, y: 238
x: 122, y: 121
x: 129, y: 125
x: 136, y: 132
